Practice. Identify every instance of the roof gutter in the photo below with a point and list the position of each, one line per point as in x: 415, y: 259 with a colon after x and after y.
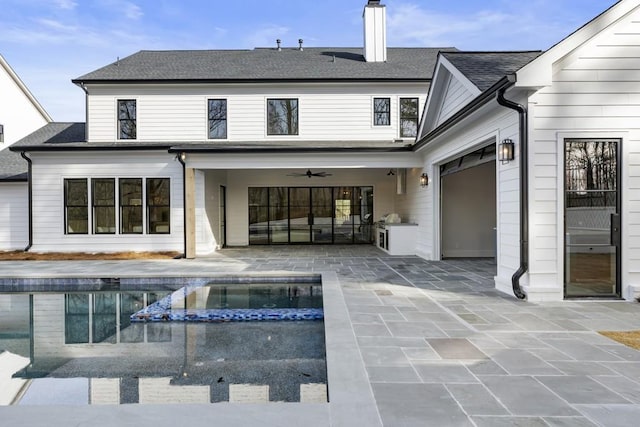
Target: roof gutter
x: 524, y: 188
x: 30, y: 199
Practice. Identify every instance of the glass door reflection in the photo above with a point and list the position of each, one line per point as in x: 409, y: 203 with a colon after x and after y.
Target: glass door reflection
x: 592, y: 218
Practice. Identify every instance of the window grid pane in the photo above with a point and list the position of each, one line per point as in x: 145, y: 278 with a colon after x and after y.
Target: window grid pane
x: 408, y: 117
x: 104, y: 210
x: 131, y: 206
x: 127, y: 113
x: 282, y: 117
x: 217, y: 119
x: 158, y: 209
x: 382, y: 111
x: 76, y: 206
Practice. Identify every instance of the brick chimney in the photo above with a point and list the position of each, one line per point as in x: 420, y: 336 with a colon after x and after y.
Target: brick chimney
x: 375, y: 32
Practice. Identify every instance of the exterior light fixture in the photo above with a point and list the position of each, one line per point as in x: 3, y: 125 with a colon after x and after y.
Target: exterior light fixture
x: 505, y: 151
x: 424, y: 180
x: 183, y: 156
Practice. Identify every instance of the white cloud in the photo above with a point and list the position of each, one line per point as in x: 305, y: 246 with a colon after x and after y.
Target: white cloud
x: 132, y: 11
x: 525, y: 27
x: 66, y: 4
x: 267, y: 36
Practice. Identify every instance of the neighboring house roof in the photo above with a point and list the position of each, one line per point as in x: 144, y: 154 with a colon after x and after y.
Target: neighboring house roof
x: 24, y: 89
x: 265, y: 64
x: 484, y: 69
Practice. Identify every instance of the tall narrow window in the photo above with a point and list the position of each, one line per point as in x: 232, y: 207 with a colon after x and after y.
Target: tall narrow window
x: 217, y: 119
x: 158, y: 208
x: 382, y: 111
x: 1, y: 134
x: 282, y: 117
x: 127, y: 113
x: 76, y: 210
x: 103, y: 194
x: 408, y: 117
x: 131, y: 206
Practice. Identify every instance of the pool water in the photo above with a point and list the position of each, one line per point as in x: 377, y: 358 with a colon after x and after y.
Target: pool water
x: 201, y: 343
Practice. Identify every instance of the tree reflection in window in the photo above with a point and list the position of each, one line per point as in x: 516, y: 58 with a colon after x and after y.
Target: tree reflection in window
x: 127, y: 122
x: 408, y: 117
x: 282, y: 117
x: 217, y: 118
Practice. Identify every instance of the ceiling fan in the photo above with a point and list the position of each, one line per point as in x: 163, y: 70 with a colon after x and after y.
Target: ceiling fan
x: 309, y: 174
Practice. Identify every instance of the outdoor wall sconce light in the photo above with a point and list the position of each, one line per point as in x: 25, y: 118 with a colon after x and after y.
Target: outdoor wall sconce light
x: 424, y: 180
x: 505, y: 152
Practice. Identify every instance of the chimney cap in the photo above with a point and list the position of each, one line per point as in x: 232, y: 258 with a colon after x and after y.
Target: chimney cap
x: 373, y: 3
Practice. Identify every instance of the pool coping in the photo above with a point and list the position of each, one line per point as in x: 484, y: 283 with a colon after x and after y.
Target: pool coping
x: 351, y: 398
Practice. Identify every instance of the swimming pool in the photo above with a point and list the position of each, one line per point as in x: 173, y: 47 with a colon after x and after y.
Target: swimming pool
x: 121, y: 341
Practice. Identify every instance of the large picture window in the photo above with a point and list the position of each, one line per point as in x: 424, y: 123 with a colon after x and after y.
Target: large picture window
x: 158, y: 206
x: 282, y: 117
x: 408, y: 117
x: 127, y: 124
x: 217, y: 118
x: 103, y: 194
x: 76, y: 208
x: 381, y: 111
x: 131, y: 206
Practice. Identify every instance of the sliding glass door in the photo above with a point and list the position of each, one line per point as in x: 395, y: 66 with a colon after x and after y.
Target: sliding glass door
x: 310, y: 215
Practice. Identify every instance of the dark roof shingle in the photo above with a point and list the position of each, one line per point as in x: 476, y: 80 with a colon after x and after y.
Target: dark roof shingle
x: 484, y: 69
x: 268, y: 64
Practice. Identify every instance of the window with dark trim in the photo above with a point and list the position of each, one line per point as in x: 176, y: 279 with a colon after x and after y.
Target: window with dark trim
x: 408, y: 117
x: 127, y: 113
x: 158, y: 206
x: 381, y: 111
x: 103, y: 195
x: 217, y: 113
x: 1, y: 134
x: 282, y: 116
x: 76, y: 206
x: 131, y: 205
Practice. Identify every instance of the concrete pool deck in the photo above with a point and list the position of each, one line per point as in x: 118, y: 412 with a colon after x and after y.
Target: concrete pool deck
x: 409, y: 343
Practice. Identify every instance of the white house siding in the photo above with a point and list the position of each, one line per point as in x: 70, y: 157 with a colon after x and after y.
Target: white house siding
x: 18, y: 114
x: 595, y: 93
x: 456, y: 96
x: 240, y: 180
x: 490, y: 124
x: 49, y: 172
x: 327, y: 112
x: 14, y: 211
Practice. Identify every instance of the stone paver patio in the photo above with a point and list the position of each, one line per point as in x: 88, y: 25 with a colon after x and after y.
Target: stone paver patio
x: 438, y: 344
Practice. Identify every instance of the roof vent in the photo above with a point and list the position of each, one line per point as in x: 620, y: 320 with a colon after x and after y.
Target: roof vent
x: 278, y: 42
x: 300, y: 41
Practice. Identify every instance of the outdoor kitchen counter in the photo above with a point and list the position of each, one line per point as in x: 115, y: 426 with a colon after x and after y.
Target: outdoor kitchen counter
x: 397, y: 239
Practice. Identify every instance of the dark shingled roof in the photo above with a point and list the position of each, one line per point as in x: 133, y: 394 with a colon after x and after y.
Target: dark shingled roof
x: 267, y: 64
x: 52, y: 134
x: 12, y: 166
x: 484, y: 69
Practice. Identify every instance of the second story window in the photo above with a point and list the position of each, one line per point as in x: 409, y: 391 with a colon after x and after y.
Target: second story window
x: 1, y: 134
x: 127, y: 119
x: 217, y: 119
x: 408, y: 117
x: 282, y: 117
x: 381, y: 111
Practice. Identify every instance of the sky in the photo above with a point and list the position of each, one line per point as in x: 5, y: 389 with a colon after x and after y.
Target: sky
x: 50, y: 42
